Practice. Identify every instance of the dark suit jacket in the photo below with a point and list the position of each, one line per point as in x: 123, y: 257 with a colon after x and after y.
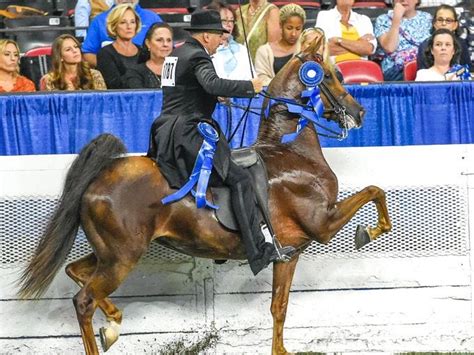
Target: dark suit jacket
x: 175, y: 140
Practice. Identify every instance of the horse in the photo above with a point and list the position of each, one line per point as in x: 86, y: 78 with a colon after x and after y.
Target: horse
x: 116, y: 199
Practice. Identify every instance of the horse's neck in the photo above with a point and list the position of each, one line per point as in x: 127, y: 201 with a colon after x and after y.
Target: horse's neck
x: 278, y: 124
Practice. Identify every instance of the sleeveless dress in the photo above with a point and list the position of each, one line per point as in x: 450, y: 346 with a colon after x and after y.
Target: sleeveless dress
x: 256, y: 29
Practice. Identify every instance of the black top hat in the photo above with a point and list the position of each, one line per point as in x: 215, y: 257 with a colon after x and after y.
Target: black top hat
x: 206, y: 20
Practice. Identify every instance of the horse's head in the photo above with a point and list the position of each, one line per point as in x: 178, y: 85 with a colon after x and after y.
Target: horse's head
x: 339, y: 105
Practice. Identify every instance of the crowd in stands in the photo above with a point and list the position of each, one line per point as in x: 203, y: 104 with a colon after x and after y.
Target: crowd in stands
x: 120, y: 45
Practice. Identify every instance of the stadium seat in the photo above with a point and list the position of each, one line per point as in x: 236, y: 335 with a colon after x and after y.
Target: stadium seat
x: 409, y: 71
x: 370, y: 4
x: 44, y: 29
x: 360, y: 71
x: 35, y: 63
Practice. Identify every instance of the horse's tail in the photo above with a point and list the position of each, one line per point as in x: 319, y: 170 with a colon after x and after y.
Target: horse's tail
x: 61, y: 231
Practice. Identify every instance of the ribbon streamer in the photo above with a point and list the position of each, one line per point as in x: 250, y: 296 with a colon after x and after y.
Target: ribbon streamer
x: 201, y: 170
x: 462, y: 71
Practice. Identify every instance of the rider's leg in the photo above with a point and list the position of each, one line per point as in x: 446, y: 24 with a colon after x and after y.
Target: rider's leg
x: 259, y: 252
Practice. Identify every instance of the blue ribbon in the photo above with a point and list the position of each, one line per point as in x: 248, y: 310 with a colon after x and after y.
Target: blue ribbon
x: 310, y: 113
x: 462, y: 71
x: 201, y: 170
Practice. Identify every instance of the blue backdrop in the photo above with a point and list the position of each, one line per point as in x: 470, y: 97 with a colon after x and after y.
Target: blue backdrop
x: 397, y: 114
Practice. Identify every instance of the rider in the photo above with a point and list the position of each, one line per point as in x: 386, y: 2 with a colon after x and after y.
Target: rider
x: 190, y: 90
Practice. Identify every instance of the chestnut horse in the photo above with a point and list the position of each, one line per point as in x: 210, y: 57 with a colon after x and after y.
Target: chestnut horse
x: 117, y: 201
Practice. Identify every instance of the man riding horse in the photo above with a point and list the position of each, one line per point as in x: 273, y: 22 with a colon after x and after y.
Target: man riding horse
x: 190, y: 90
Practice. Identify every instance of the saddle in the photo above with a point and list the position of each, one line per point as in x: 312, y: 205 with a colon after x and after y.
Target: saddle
x: 249, y: 159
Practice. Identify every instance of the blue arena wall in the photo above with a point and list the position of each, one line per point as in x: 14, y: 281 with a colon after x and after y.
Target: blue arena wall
x: 397, y: 114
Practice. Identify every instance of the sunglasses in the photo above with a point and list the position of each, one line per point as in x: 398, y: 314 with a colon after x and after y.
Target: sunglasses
x: 445, y: 20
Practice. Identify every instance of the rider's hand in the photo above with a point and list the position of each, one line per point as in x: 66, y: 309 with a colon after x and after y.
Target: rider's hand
x: 257, y: 85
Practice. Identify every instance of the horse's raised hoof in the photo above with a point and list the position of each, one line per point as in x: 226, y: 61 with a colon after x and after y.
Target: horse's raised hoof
x: 362, y: 237
x: 108, y: 336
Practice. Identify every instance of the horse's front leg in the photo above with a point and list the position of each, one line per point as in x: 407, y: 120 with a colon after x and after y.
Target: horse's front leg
x: 282, y: 279
x: 344, y: 210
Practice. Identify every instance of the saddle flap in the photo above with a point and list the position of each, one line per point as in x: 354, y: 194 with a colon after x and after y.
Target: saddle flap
x: 244, y: 157
x: 222, y: 198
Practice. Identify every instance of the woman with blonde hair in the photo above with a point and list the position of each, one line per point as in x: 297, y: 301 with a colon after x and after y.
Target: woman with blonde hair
x: 272, y: 56
x: 113, y: 60
x: 69, y: 71
x: 10, y: 79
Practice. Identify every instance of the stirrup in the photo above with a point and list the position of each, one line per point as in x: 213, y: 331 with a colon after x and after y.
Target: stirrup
x: 284, y: 254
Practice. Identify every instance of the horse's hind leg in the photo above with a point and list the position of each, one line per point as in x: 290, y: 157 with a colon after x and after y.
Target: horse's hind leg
x: 282, y: 278
x: 344, y: 210
x: 80, y: 271
x: 103, y: 281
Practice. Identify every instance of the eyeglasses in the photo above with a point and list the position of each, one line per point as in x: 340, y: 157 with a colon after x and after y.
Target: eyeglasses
x: 448, y: 21
x: 228, y: 22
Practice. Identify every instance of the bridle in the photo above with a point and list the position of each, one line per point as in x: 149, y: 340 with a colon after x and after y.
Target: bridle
x: 336, y: 102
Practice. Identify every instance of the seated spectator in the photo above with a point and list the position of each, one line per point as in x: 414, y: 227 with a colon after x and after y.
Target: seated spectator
x: 441, y: 53
x: 445, y: 17
x: 97, y: 36
x: 10, y: 78
x: 86, y: 10
x: 231, y: 59
x: 350, y: 35
x: 147, y: 73
x: 261, y: 22
x: 272, y: 56
x: 114, y: 59
x: 400, y: 32
x: 70, y: 71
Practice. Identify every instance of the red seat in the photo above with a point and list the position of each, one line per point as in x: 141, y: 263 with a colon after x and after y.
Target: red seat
x: 303, y: 4
x: 35, y: 63
x: 39, y: 51
x: 360, y: 71
x: 409, y: 71
x: 378, y: 4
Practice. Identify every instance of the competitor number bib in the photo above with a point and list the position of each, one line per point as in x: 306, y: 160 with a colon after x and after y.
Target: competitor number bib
x: 168, y: 71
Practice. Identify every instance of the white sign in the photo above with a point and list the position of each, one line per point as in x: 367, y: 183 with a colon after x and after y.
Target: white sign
x: 168, y: 71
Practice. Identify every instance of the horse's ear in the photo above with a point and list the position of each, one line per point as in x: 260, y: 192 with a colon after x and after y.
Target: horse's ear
x: 317, y: 45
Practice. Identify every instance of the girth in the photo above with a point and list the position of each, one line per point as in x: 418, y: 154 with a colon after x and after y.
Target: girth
x: 249, y: 159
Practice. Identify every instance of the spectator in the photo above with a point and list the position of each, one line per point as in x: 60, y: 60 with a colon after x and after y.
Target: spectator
x: 97, y: 36
x: 10, y: 79
x: 350, y: 35
x: 158, y: 45
x: 399, y: 33
x: 272, y: 56
x: 261, y: 22
x: 86, y: 10
x: 445, y: 17
x: 441, y: 53
x: 113, y: 60
x: 70, y: 71
x: 231, y: 60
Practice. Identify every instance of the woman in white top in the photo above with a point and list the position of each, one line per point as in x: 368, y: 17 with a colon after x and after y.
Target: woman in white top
x: 441, y: 54
x: 231, y: 59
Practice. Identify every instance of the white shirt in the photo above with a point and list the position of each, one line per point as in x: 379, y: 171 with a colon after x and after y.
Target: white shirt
x: 329, y: 22
x: 239, y: 66
x: 82, y: 12
x: 433, y: 75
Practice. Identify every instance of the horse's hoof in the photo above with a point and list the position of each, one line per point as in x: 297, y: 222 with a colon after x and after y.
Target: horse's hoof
x: 362, y: 237
x: 108, y: 336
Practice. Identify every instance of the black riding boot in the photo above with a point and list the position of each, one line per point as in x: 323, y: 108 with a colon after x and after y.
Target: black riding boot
x: 259, y: 252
